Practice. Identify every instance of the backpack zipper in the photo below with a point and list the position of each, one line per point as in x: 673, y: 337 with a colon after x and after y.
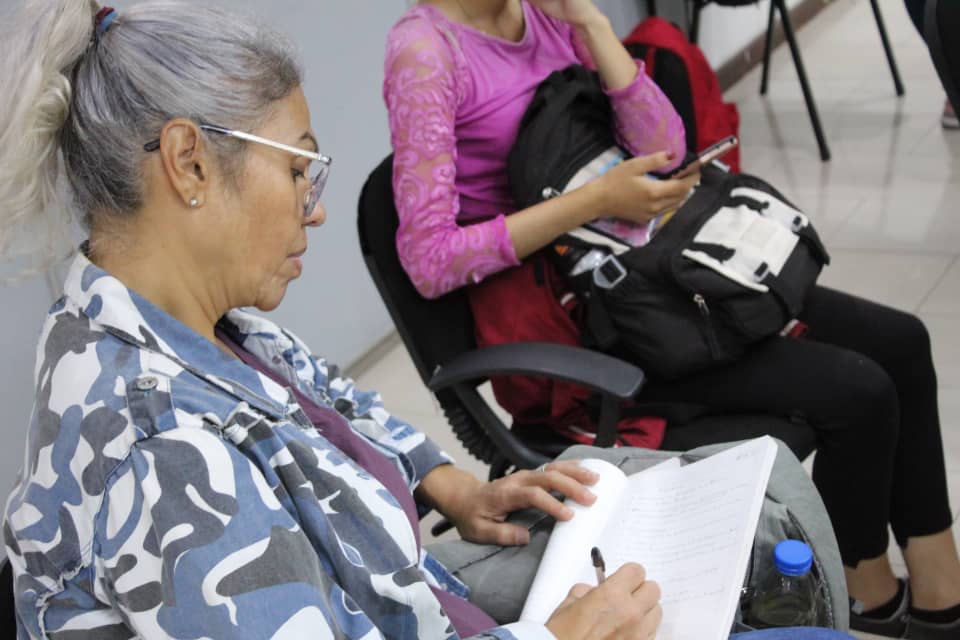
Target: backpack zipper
x: 549, y: 192
x: 707, y: 324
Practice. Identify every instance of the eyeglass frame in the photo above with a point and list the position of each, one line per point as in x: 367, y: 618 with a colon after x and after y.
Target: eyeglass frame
x: 317, y: 184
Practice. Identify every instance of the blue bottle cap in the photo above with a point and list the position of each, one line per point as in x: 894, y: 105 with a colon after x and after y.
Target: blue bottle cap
x: 793, y: 558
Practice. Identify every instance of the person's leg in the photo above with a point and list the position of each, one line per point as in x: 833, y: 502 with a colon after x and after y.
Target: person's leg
x: 919, y: 509
x: 847, y: 398
x: 916, y: 8
x: 934, y: 570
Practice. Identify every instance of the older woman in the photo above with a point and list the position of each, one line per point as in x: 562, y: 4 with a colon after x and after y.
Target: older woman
x: 192, y: 470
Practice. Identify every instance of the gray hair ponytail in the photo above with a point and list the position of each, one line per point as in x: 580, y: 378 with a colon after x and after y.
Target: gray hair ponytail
x: 97, y: 100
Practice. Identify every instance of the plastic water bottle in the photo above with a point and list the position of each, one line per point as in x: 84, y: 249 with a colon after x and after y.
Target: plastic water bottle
x: 789, y: 598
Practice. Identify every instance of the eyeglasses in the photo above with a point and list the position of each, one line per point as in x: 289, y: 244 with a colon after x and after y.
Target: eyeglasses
x: 318, y: 171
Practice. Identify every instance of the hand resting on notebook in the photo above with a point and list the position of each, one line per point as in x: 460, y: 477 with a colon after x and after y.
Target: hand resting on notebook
x: 479, y: 509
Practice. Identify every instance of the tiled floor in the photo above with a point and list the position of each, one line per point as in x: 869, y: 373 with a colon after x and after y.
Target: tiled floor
x: 888, y: 204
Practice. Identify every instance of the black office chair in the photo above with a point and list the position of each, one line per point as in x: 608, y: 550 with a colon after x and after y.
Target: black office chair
x: 8, y: 618
x: 438, y: 334
x: 779, y: 6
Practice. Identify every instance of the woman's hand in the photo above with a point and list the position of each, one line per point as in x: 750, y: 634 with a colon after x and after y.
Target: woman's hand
x: 626, y: 606
x: 577, y: 13
x: 479, y: 509
x: 627, y: 192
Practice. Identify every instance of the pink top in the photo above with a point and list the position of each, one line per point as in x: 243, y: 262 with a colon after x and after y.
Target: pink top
x: 455, y: 97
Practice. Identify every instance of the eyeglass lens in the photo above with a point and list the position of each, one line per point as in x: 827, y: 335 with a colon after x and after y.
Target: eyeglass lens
x: 318, y: 180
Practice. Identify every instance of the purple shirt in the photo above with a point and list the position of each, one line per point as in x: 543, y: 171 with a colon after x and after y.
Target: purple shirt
x: 455, y: 97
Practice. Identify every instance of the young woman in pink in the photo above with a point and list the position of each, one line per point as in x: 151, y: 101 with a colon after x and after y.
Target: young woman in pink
x: 459, y: 76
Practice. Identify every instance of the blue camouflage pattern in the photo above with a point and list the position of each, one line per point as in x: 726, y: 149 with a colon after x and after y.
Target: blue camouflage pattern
x: 168, y: 490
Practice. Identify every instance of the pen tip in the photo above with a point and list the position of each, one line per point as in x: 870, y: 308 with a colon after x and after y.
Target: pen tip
x: 596, y: 557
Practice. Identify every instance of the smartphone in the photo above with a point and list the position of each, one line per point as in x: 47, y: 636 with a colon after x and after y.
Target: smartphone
x: 706, y: 156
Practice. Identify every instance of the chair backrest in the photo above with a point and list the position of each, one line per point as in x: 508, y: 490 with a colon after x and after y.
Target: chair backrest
x: 941, y: 22
x: 434, y: 331
x: 8, y: 618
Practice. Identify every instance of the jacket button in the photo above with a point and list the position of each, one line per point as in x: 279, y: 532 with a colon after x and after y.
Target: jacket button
x: 146, y: 383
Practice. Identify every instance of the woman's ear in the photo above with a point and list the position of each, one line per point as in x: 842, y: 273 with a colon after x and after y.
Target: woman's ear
x: 183, y: 153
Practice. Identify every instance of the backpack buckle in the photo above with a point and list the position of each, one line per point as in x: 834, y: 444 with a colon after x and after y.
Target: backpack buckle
x: 609, y: 273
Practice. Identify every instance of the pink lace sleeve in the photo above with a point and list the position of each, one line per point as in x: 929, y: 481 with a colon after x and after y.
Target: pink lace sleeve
x: 421, y: 93
x: 646, y: 121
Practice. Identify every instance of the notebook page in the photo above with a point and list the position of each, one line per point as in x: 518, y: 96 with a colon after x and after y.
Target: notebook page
x: 568, y: 552
x: 692, y: 529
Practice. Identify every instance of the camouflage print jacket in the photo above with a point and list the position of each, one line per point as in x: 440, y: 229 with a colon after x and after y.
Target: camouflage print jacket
x: 171, y: 491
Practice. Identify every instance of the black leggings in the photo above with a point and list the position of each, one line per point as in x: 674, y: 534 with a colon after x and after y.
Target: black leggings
x: 863, y: 378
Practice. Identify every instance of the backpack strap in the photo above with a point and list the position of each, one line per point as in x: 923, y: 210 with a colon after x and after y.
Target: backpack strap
x: 599, y: 331
x: 812, y: 240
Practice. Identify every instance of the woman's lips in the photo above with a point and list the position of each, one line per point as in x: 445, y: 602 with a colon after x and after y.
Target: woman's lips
x: 297, y: 259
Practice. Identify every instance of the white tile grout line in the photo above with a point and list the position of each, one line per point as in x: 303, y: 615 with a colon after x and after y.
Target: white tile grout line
x: 940, y: 280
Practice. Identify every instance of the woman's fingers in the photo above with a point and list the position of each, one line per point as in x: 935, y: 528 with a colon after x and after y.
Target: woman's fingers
x: 499, y: 533
x: 575, y: 470
x: 484, y: 521
x: 562, y: 479
x: 536, y: 497
x: 630, y: 602
x: 526, y: 489
x: 653, y: 163
x: 626, y: 606
x: 650, y: 623
x: 633, y: 194
x: 628, y: 578
x: 671, y: 194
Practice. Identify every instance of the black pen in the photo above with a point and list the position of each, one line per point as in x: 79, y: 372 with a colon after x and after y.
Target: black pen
x: 598, y: 565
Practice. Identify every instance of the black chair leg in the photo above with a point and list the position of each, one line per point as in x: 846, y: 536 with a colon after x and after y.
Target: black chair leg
x: 887, y: 48
x: 767, y: 48
x: 804, y: 84
x: 695, y: 21
x: 607, y: 422
x: 499, y: 467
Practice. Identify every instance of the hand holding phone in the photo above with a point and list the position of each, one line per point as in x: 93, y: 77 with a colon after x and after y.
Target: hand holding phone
x: 706, y: 156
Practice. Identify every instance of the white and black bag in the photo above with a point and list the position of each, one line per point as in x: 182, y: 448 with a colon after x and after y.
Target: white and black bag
x: 731, y: 267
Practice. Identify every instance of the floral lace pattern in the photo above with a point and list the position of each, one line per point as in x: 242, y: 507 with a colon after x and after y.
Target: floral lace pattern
x: 428, y: 87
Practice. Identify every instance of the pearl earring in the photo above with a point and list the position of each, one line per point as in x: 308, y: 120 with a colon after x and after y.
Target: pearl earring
x: 194, y: 203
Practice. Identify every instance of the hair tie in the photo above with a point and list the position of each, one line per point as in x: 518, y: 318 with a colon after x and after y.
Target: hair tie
x: 104, y: 19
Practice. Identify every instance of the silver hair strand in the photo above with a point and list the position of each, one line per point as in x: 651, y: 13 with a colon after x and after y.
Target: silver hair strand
x: 88, y: 104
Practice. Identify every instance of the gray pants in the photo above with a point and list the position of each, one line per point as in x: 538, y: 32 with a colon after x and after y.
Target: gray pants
x: 500, y: 577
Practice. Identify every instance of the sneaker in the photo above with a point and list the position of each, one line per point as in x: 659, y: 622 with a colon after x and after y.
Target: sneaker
x: 894, y: 626
x: 949, y: 118
x: 920, y: 630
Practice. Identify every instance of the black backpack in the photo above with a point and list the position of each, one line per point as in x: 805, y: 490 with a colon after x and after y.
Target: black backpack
x: 572, y: 116
x: 698, y: 293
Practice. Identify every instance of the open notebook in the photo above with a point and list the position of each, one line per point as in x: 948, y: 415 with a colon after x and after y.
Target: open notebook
x: 690, y: 526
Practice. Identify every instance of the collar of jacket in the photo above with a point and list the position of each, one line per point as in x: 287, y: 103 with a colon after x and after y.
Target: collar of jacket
x: 128, y: 316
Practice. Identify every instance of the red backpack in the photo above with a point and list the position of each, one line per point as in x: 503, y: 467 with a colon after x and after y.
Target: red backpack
x: 682, y: 72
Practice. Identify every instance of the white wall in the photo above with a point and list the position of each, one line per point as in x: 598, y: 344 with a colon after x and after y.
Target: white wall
x: 726, y: 30
x: 723, y: 30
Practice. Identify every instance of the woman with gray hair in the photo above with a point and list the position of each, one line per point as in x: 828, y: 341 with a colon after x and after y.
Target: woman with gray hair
x: 192, y: 470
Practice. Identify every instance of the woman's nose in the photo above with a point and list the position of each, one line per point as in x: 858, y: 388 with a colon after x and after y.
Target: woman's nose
x: 316, y: 217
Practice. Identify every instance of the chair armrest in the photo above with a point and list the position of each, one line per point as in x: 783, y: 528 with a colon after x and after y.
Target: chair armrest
x: 591, y: 369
